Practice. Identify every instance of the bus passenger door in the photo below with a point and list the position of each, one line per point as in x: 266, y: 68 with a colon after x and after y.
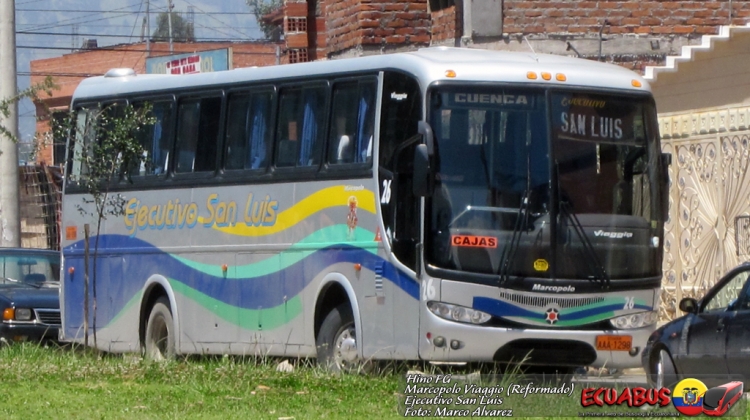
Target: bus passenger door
x: 401, y: 110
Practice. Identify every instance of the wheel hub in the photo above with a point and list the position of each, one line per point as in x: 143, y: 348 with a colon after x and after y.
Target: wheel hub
x: 346, y: 348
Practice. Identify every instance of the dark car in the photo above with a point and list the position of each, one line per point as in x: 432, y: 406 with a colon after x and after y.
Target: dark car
x: 711, y: 342
x: 29, y: 294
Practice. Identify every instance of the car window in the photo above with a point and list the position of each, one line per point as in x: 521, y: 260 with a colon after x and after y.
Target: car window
x: 744, y: 302
x: 727, y: 295
x: 32, y: 269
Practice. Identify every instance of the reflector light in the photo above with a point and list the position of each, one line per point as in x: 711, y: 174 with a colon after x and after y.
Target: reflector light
x: 546, y: 76
x: 450, y: 73
x: 636, y: 83
x: 531, y: 75
x: 560, y: 77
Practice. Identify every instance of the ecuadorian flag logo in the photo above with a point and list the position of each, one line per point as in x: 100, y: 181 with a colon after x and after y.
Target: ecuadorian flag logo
x: 687, y: 396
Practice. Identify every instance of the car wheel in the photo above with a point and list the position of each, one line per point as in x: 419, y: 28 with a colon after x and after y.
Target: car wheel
x: 337, y: 341
x: 663, y: 371
x: 159, y: 332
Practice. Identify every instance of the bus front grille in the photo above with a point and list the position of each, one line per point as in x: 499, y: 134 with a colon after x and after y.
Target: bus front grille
x: 546, y: 301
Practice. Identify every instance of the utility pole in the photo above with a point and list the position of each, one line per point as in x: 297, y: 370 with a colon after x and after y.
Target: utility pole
x: 148, y: 29
x: 169, y: 19
x: 10, y: 224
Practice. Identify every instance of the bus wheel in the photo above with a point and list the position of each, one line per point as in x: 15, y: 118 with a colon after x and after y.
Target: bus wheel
x: 159, y: 332
x: 337, y: 341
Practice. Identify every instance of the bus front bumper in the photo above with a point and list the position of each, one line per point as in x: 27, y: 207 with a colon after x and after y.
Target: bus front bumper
x: 448, y: 341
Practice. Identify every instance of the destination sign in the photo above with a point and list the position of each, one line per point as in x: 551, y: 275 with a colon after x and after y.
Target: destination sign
x: 514, y: 100
x: 587, y: 119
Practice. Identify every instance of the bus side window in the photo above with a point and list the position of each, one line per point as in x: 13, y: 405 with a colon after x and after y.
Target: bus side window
x: 89, y: 124
x: 301, y: 126
x: 402, y: 110
x: 81, y: 143
x: 286, y: 137
x: 343, y: 123
x: 352, y: 122
x: 197, y: 135
x: 248, y: 133
x: 156, y: 141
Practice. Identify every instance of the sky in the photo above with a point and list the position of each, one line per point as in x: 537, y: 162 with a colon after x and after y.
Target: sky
x: 52, y: 28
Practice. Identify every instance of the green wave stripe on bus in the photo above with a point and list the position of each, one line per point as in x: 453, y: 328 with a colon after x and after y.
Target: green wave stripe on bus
x: 249, y: 319
x: 331, y: 235
x: 134, y: 300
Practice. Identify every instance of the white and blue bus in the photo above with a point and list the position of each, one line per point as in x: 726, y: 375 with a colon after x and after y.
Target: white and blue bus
x: 449, y: 205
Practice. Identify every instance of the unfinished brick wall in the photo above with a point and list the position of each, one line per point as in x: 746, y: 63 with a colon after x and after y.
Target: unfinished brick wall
x: 624, y: 17
x: 446, y: 25
x: 376, y: 24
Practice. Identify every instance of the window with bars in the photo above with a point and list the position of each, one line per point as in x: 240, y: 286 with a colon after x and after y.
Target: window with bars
x: 298, y: 55
x: 296, y: 24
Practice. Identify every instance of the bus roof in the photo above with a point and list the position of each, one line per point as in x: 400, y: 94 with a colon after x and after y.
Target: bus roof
x: 428, y: 64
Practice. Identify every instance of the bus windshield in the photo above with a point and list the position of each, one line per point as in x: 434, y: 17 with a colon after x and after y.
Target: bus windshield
x: 526, y: 192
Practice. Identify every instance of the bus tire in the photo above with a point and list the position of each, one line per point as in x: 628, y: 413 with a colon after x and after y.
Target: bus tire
x: 337, y: 341
x: 159, y: 339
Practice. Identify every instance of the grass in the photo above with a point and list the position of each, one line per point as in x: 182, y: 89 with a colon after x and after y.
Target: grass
x: 38, y: 382
x: 41, y: 382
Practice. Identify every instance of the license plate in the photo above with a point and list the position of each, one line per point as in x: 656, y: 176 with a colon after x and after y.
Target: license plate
x: 614, y: 342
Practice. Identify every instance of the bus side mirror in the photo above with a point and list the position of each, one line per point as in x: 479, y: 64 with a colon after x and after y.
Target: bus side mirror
x: 422, y: 180
x: 427, y: 138
x: 666, y: 160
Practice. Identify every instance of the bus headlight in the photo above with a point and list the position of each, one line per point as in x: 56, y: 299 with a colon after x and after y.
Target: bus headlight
x: 629, y: 322
x: 458, y: 313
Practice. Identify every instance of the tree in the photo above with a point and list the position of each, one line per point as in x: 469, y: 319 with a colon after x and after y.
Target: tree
x: 182, y: 30
x: 106, y: 148
x: 10, y: 229
x: 32, y: 93
x: 262, y: 9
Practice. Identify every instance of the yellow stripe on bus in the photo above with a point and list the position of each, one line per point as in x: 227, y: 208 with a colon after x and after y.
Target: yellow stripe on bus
x: 329, y: 197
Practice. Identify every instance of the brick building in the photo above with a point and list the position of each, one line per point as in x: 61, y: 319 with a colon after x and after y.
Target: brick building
x: 632, y: 33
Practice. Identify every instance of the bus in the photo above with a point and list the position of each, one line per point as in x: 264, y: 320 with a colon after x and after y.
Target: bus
x: 445, y: 205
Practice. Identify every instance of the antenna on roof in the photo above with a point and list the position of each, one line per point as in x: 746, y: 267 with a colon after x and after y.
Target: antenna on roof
x: 531, y: 48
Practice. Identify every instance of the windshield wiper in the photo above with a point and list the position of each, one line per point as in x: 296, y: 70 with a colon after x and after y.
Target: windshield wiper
x: 509, y: 252
x: 592, y: 260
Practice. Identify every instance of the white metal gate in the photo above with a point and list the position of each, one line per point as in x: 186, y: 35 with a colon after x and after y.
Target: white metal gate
x: 708, y: 231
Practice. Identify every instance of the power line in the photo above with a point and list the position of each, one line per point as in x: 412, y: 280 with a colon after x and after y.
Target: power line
x: 34, y: 47
x: 223, y: 23
x: 69, y: 21
x: 151, y: 13
x: 121, y: 13
x: 56, y: 74
x: 135, y: 24
x: 60, y: 34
